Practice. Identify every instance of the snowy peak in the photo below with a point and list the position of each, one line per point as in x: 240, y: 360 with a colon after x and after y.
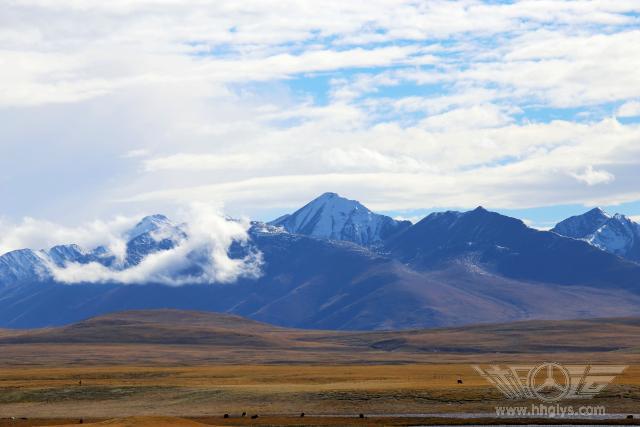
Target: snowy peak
x: 63, y: 254
x: 152, y: 234
x: 620, y: 236
x: 149, y: 224
x: 616, y: 234
x: 581, y: 226
x: 333, y: 217
x: 20, y: 266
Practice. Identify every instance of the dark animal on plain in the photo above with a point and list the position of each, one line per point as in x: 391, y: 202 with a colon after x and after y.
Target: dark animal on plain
x: 225, y: 416
x: 459, y: 381
x: 629, y: 417
x: 244, y: 414
x: 253, y: 417
x: 361, y: 415
x: 302, y: 415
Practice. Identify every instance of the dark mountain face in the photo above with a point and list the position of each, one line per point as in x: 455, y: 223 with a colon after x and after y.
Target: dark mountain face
x: 508, y: 247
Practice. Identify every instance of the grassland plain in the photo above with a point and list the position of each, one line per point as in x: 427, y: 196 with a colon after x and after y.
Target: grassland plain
x: 201, y: 366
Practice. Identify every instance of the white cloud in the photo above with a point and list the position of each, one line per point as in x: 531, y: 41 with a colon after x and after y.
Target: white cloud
x: 132, y: 154
x: 41, y: 234
x: 263, y: 104
x: 195, y: 162
x: 409, y: 168
x: 476, y: 117
x: 591, y: 176
x: 629, y: 109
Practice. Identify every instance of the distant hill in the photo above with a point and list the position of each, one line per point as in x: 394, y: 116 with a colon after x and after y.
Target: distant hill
x: 156, y: 327
x: 174, y: 327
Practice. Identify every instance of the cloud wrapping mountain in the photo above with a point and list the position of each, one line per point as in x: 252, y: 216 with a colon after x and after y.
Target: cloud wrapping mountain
x: 154, y: 251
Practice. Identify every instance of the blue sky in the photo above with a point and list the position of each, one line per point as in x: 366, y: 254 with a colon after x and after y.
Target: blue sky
x: 528, y: 108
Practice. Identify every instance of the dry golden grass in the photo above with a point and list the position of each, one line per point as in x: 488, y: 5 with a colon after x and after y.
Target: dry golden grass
x: 143, y: 422
x: 215, y: 390
x: 154, y: 421
x: 202, y: 366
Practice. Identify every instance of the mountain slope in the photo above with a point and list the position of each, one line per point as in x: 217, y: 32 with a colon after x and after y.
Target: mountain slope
x: 615, y: 234
x: 333, y: 217
x: 506, y: 246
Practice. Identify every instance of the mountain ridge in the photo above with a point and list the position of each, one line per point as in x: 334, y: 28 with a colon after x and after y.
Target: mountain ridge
x: 451, y: 268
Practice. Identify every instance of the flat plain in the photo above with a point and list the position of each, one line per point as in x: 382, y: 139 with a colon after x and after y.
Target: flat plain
x: 201, y: 366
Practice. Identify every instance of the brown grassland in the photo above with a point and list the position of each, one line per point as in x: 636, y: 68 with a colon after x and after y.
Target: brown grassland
x: 201, y: 366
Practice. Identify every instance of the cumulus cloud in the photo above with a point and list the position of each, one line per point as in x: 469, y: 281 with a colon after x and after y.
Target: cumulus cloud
x: 629, y: 109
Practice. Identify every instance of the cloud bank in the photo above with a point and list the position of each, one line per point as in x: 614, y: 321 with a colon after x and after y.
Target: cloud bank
x: 125, y: 105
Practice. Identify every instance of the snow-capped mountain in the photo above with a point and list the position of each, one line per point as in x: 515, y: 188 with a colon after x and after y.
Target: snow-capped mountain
x: 152, y: 234
x: 20, y: 266
x: 616, y: 234
x: 337, y: 218
x: 149, y: 224
x: 581, y: 226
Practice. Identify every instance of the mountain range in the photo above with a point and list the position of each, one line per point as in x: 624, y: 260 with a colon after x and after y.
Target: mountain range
x: 334, y: 264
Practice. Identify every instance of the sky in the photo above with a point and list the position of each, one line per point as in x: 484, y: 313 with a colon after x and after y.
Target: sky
x: 529, y: 108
